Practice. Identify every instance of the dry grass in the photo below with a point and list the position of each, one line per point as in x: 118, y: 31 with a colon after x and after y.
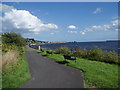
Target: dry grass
x: 9, y: 58
x: 17, y: 73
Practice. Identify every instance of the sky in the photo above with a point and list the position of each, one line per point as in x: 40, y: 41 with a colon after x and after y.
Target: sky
x: 61, y: 21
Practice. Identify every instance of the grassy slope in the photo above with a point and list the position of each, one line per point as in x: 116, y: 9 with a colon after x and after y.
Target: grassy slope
x: 96, y: 74
x: 17, y: 75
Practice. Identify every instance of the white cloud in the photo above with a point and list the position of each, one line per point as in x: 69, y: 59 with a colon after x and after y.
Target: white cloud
x: 98, y: 10
x: 97, y: 27
x: 23, y: 21
x: 106, y: 27
x: 72, y: 32
x: 115, y: 22
x: 72, y: 27
x: 82, y: 32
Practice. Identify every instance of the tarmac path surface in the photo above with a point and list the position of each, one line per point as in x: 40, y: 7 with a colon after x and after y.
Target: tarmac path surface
x: 46, y: 73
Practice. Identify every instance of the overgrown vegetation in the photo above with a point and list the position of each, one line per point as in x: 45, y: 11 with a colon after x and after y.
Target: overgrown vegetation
x: 14, y: 66
x: 62, y: 50
x: 9, y: 59
x: 92, y: 54
x: 13, y: 39
x: 96, y: 74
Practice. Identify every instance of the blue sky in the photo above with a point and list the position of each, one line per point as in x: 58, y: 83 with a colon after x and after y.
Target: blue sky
x: 79, y: 21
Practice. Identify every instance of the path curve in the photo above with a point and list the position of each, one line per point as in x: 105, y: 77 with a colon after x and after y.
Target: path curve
x: 48, y: 74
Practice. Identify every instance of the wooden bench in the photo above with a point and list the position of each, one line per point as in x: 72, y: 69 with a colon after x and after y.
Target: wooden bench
x: 69, y: 57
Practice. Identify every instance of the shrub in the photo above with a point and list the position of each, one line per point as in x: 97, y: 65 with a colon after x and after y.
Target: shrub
x: 13, y: 41
x: 95, y: 54
x: 6, y: 48
x: 63, y: 50
x: 111, y: 57
x: 48, y: 51
x: 79, y: 52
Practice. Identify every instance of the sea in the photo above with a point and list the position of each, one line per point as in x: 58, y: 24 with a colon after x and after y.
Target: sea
x: 104, y: 45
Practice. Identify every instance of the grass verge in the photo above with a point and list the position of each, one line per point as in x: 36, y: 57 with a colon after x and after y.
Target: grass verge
x: 16, y: 75
x: 96, y: 74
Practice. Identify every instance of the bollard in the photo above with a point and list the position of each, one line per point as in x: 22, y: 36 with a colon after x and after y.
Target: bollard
x: 39, y: 47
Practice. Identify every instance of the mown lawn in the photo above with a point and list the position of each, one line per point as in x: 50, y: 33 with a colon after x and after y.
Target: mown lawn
x: 16, y: 75
x: 96, y: 74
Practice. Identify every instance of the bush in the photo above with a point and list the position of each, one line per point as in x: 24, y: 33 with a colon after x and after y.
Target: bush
x: 63, y: 50
x: 95, y: 54
x: 79, y: 52
x: 6, y: 48
x: 13, y: 41
x: 99, y: 55
x: 111, y: 57
x: 49, y: 51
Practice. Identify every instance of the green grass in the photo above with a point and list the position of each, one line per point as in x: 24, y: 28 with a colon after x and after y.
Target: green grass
x: 96, y: 74
x: 17, y: 75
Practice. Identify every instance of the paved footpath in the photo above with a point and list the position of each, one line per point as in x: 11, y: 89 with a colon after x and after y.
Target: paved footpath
x: 46, y: 73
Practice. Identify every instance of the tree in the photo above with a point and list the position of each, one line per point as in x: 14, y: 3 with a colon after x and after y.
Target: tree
x: 13, y: 39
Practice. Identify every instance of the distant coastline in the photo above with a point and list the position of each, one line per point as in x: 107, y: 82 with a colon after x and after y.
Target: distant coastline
x: 37, y: 42
x: 111, y: 45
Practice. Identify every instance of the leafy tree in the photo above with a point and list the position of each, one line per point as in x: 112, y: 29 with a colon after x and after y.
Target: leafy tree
x: 13, y: 39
